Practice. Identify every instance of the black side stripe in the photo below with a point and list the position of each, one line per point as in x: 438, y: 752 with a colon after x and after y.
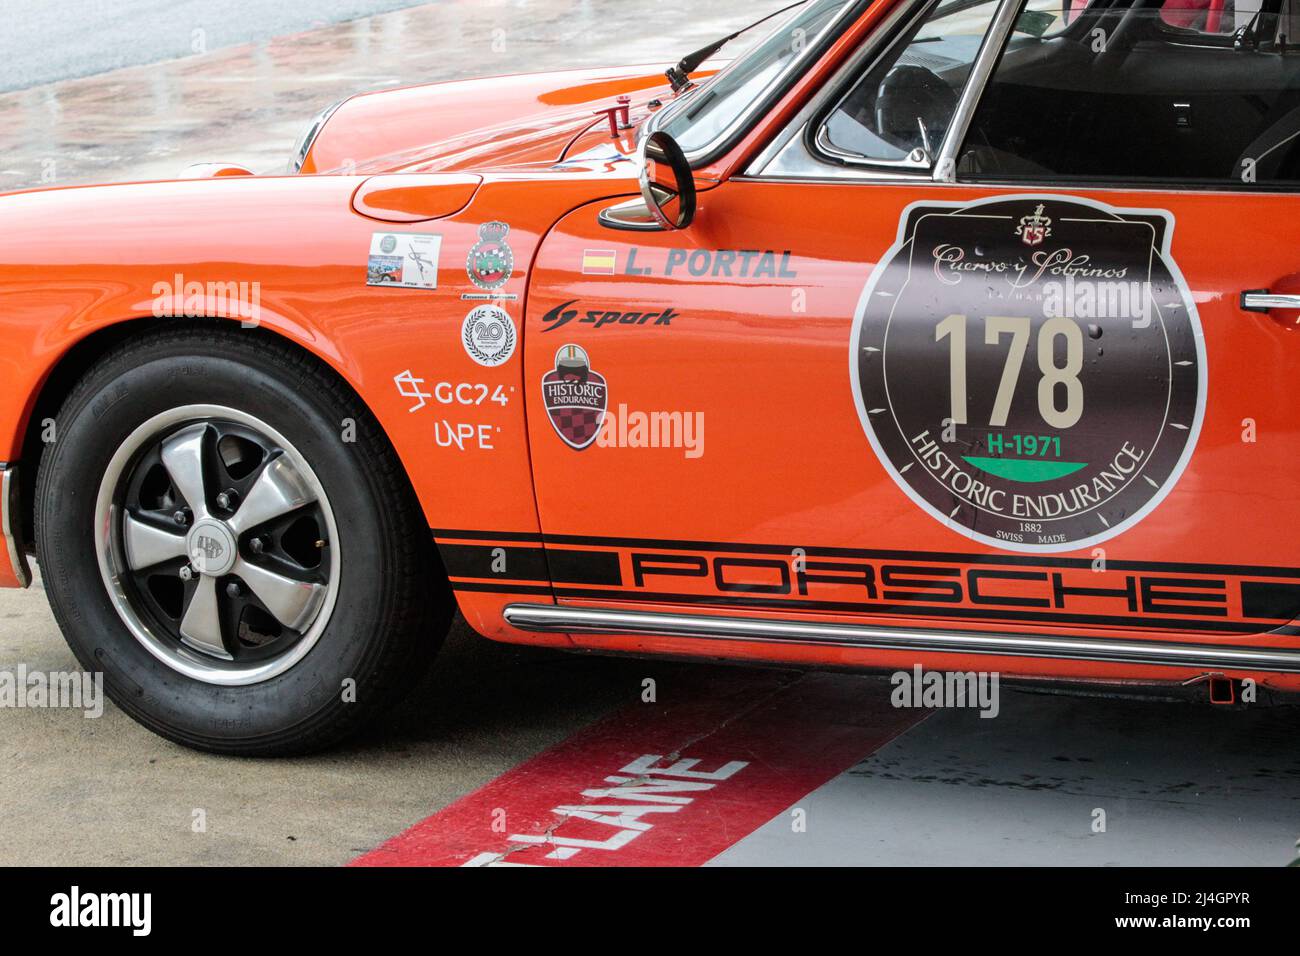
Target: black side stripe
x: 512, y: 563
x: 1270, y: 600
x: 501, y: 588
x: 486, y: 535
x: 939, y: 557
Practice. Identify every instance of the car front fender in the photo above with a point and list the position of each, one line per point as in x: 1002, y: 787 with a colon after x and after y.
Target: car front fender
x: 288, y: 256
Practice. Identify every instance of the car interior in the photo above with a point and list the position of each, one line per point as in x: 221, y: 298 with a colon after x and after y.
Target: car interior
x: 1198, y: 91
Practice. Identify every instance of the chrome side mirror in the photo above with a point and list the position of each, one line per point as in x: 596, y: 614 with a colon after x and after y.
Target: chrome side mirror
x: 667, y: 183
x: 667, y: 190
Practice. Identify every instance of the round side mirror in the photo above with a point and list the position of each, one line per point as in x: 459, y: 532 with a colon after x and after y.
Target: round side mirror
x: 667, y: 184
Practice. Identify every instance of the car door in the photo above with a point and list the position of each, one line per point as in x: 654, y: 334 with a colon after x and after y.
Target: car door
x: 1004, y: 393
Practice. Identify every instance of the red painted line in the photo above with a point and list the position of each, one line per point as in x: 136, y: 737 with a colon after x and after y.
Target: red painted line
x: 667, y: 784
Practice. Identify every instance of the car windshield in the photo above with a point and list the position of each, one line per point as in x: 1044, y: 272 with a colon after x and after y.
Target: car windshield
x: 712, y: 109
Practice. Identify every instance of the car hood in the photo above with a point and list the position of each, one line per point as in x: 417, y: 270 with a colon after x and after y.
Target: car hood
x: 497, y: 123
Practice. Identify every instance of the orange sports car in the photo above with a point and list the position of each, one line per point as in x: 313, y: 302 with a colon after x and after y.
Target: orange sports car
x: 944, y: 331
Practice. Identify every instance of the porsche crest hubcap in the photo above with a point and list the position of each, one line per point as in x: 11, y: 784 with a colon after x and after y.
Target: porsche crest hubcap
x: 211, y: 548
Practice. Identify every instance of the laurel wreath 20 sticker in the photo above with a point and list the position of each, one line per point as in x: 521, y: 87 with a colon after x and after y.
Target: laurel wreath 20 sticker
x: 488, y: 334
x: 1031, y: 370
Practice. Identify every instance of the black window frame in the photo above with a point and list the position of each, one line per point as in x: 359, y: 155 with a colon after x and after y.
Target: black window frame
x: 915, y: 19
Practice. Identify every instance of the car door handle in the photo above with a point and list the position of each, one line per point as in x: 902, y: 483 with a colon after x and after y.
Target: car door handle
x: 1261, y: 300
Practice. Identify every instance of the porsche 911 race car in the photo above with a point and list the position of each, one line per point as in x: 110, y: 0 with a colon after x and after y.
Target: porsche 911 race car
x: 954, y: 332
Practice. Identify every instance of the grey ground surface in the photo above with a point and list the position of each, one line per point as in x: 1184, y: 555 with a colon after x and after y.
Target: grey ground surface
x: 48, y: 40
x: 1179, y: 785
x: 81, y: 791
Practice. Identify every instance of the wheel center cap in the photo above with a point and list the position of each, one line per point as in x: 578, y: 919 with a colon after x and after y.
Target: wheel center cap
x: 211, y: 547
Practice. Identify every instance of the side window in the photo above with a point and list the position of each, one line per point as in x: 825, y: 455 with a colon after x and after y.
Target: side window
x: 1140, y: 92
x: 898, y: 113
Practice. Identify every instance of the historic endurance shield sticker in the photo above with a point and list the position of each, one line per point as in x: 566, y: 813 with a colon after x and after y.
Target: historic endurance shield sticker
x: 1031, y: 370
x: 575, y: 396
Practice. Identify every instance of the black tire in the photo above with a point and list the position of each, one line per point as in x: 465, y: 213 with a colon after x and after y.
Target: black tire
x: 393, y: 605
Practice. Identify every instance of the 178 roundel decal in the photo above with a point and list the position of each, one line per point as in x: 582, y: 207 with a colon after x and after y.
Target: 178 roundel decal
x: 1031, y: 370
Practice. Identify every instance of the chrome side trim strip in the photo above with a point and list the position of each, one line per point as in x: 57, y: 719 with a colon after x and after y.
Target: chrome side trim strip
x: 1004, y: 21
x: 10, y: 508
x: 553, y: 618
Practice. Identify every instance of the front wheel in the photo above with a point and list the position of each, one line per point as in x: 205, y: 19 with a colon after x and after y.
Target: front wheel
x: 227, y: 535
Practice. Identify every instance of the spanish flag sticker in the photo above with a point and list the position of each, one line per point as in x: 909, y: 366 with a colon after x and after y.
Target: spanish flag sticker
x: 598, y: 262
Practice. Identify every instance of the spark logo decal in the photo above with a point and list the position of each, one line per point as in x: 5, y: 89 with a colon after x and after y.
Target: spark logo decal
x: 1031, y: 370
x: 575, y: 396
x: 491, y: 261
x: 599, y: 318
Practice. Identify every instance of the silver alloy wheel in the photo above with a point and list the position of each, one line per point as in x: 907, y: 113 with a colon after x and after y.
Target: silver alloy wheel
x: 249, y: 607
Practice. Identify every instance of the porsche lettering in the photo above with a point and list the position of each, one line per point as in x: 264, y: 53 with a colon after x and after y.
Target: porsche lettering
x: 1134, y: 594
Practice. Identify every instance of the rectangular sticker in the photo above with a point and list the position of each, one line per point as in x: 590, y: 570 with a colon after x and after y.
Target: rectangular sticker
x: 598, y: 262
x: 406, y: 260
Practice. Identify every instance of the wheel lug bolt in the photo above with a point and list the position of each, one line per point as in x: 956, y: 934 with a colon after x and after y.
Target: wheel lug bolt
x: 186, y: 573
x: 181, y: 518
x: 257, y: 546
x: 228, y: 499
x: 233, y: 590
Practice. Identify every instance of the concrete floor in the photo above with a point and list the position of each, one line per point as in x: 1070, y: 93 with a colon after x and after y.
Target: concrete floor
x: 104, y: 791
x: 1178, y: 784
